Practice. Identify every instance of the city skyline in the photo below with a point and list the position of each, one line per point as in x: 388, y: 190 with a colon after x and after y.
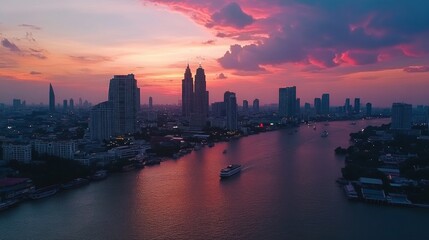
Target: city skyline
x: 246, y: 47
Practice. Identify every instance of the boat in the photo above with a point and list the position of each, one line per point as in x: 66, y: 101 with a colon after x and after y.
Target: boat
x: 8, y: 204
x: 230, y: 170
x: 99, y: 175
x: 324, y: 133
x: 75, y: 183
x: 353, y: 123
x: 350, y: 192
x: 44, y: 192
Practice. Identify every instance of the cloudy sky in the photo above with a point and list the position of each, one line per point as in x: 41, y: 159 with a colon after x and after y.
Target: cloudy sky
x: 375, y: 50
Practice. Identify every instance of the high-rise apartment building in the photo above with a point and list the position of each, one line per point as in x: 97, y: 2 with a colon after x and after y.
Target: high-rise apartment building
x: 287, y: 101
x: 125, y: 98
x: 325, y: 104
x: 51, y: 98
x: 255, y: 106
x: 231, y: 110
x: 318, y: 106
x: 187, y: 93
x: 401, y: 116
x: 101, y: 121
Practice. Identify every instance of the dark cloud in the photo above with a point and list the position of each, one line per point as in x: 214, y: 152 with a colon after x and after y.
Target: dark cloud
x: 416, y: 69
x: 231, y: 15
x: 221, y: 76
x: 35, y: 73
x: 313, y: 32
x: 9, y: 45
x: 34, y: 27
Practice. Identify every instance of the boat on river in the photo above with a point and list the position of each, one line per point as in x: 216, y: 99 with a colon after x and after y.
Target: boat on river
x: 230, y: 170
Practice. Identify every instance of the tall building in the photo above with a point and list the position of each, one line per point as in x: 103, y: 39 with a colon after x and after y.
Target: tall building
x: 16, y: 103
x: 357, y: 105
x: 20, y: 153
x: 347, y: 107
x: 101, y: 121
x: 287, y: 101
x: 125, y: 97
x: 150, y: 103
x: 318, y: 105
x: 187, y: 93
x: 298, y: 107
x: 255, y: 106
x: 62, y: 149
x: 200, y: 100
x: 245, y: 107
x: 71, y: 101
x: 325, y: 104
x: 218, y: 109
x: 401, y: 116
x: 231, y: 110
x: 368, y: 109
x: 51, y: 98
x: 65, y: 105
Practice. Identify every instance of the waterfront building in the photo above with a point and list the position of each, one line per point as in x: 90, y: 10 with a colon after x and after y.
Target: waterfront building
x: 62, y: 149
x: 287, y: 101
x: 245, y: 107
x: 318, y: 106
x: 231, y: 110
x: 218, y: 109
x: 401, y: 116
x: 357, y: 106
x: 125, y: 98
x: 200, y: 101
x: 101, y: 121
x: 255, y: 106
x: 368, y: 109
x: 187, y: 93
x: 18, y: 152
x: 51, y: 98
x: 325, y: 104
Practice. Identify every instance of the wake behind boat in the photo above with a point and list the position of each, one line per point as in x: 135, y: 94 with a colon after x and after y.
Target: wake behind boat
x: 230, y: 170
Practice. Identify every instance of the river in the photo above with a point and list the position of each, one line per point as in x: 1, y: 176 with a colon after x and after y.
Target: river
x: 286, y: 190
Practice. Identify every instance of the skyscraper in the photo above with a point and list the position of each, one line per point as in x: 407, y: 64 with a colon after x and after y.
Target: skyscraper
x: 368, y: 109
x: 71, y: 101
x: 401, y: 116
x: 255, y: 106
x: 200, y: 101
x: 287, y: 101
x: 325, y: 103
x: 187, y: 93
x: 357, y: 105
x: 245, y: 107
x: 318, y: 105
x: 51, y: 98
x: 347, y: 107
x: 150, y: 103
x: 101, y: 121
x: 65, y: 105
x: 231, y: 111
x: 125, y: 97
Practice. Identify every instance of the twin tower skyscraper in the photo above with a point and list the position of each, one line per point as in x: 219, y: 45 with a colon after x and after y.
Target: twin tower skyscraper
x: 195, y: 98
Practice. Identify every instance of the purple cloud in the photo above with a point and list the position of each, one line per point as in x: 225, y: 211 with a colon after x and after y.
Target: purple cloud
x: 34, y: 27
x: 231, y: 15
x: 9, y: 45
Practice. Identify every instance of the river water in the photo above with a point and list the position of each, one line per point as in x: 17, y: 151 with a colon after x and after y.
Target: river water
x: 286, y: 190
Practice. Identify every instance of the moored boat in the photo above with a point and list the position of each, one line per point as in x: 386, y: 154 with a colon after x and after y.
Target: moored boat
x: 230, y: 170
x: 99, y: 175
x: 75, y: 183
x: 8, y: 204
x: 324, y: 133
x: 44, y: 192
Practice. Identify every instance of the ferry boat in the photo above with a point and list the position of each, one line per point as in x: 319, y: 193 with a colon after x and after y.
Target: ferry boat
x: 99, y: 175
x: 44, y: 192
x: 7, y: 204
x: 230, y: 170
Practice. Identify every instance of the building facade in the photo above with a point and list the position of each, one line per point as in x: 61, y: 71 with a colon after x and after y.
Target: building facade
x: 287, y: 101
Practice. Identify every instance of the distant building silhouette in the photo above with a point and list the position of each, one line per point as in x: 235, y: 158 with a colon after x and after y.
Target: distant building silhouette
x: 357, y: 106
x: 200, y: 101
x: 187, y: 93
x: 16, y: 103
x: 401, y: 116
x: 125, y: 97
x: 65, y: 105
x: 347, y: 106
x: 255, y: 106
x: 318, y: 106
x: 51, y: 98
x: 71, y: 101
x: 150, y: 103
x: 287, y: 101
x: 325, y: 104
x: 245, y: 107
x: 231, y: 110
x: 368, y: 109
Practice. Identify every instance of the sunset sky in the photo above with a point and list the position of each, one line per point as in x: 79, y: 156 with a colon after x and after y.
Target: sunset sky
x: 375, y: 50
